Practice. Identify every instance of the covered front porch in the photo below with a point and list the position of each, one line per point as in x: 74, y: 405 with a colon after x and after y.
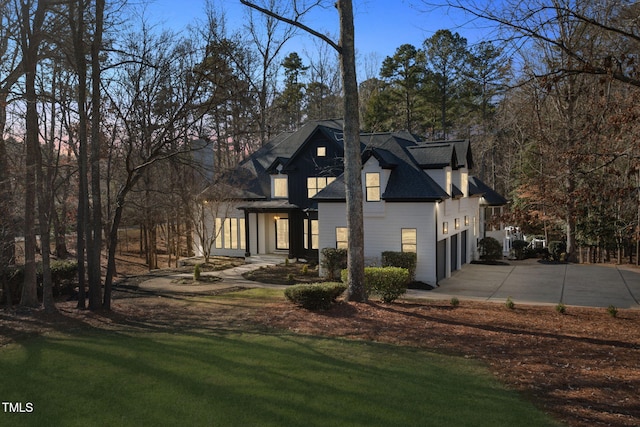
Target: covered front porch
x: 279, y: 228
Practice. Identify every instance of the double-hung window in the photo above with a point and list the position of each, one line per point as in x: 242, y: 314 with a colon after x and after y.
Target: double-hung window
x: 409, y: 239
x: 342, y: 238
x: 372, y: 185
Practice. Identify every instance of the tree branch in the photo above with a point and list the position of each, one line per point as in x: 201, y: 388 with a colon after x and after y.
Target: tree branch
x: 295, y: 23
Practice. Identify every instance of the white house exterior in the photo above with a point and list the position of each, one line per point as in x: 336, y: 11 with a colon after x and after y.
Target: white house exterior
x: 289, y: 198
x: 414, y: 211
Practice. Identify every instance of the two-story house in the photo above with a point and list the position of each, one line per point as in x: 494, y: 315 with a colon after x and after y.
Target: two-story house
x: 272, y: 209
x: 417, y: 197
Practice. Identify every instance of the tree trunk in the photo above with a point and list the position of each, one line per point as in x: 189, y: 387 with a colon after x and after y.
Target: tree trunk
x: 352, y: 153
x: 45, y: 197
x: 111, y: 258
x: 7, y: 233
x: 96, y: 121
x: 76, y: 24
x: 30, y: 40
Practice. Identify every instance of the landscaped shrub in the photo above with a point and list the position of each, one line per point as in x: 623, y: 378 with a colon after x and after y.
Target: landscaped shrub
x: 386, y: 282
x: 519, y: 247
x: 332, y: 261
x: 510, y: 304
x: 315, y: 296
x: 490, y: 249
x: 62, y: 271
x: 196, y: 272
x: 407, y: 260
x: 557, y: 249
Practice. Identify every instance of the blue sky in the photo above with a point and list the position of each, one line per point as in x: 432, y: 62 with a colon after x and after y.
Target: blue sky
x: 381, y: 25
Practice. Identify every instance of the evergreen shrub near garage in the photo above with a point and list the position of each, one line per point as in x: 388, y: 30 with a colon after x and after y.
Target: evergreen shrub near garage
x: 386, y: 282
x: 407, y: 260
x: 315, y: 296
x: 490, y: 249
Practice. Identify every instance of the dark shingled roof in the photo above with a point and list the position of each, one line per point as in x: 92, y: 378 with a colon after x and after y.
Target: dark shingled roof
x: 252, y: 173
x: 435, y: 156
x: 479, y: 188
x: 402, y: 153
x: 407, y: 181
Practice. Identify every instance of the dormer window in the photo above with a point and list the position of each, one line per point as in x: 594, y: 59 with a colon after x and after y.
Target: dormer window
x: 372, y: 186
x: 321, y: 151
x: 280, y: 187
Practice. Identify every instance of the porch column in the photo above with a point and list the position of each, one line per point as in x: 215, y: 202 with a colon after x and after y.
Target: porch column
x: 247, y: 241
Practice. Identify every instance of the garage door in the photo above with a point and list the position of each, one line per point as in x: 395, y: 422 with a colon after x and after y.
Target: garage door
x: 441, y: 256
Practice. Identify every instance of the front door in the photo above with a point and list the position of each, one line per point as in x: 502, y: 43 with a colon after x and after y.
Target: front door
x: 282, y: 233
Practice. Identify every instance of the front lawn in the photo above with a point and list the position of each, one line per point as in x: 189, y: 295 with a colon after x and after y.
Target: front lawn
x: 213, y: 378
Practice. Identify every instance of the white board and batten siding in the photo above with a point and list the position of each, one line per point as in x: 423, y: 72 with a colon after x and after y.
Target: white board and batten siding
x: 383, y: 232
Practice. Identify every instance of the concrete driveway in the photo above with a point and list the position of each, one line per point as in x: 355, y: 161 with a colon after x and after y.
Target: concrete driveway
x: 533, y: 282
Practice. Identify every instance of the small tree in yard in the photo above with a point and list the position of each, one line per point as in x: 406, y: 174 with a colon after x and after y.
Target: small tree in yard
x: 214, y: 202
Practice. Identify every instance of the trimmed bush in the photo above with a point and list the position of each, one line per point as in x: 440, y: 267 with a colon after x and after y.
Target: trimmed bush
x: 407, y: 260
x: 332, y: 261
x: 386, y: 282
x: 557, y: 249
x: 490, y: 249
x: 196, y: 272
x: 315, y: 296
x: 63, y: 273
x: 519, y: 248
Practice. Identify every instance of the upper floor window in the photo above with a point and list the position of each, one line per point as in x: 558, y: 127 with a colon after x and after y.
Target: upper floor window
x: 409, y: 239
x: 317, y: 183
x: 280, y: 187
x: 372, y: 184
x: 321, y: 151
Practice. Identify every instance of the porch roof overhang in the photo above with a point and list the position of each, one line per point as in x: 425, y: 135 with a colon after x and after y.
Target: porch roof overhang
x: 268, y: 206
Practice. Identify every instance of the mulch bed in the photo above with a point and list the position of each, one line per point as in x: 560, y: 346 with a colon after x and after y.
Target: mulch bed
x: 583, y: 367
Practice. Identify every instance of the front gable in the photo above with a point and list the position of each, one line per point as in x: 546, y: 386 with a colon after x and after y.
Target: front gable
x: 317, y: 158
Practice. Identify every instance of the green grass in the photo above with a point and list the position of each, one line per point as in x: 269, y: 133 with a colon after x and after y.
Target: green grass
x: 247, y: 379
